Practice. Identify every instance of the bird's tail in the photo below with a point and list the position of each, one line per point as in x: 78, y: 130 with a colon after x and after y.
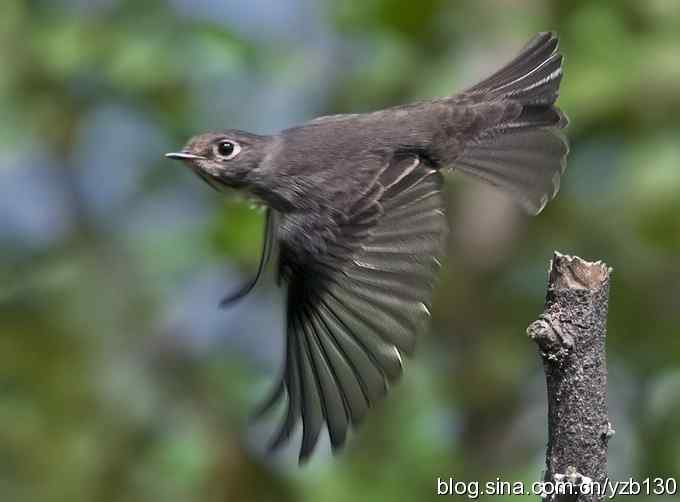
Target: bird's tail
x: 521, y: 149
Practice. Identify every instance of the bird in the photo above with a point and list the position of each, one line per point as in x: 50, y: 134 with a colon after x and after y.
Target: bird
x: 356, y: 227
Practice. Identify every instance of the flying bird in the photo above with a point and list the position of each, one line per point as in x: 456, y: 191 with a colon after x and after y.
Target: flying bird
x: 356, y: 224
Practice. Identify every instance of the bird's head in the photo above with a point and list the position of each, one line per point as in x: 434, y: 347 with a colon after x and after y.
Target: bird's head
x: 224, y: 159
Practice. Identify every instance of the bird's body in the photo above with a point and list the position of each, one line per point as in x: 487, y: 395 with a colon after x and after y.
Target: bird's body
x: 356, y: 222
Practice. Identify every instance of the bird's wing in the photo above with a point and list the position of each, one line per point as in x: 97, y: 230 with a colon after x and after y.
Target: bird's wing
x: 268, y: 244
x: 354, y: 312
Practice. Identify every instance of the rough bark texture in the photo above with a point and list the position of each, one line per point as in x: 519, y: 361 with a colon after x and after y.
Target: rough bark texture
x: 570, y: 335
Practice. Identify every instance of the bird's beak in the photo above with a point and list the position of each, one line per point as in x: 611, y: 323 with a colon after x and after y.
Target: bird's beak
x: 183, y: 156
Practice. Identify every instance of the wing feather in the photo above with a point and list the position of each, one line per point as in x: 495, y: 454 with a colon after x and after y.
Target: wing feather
x: 312, y: 413
x: 368, y: 374
x: 331, y: 389
x: 346, y: 378
x: 355, y: 318
x: 267, y: 247
x: 291, y: 380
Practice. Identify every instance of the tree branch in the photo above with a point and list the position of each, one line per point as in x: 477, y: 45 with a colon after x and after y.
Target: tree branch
x: 570, y: 335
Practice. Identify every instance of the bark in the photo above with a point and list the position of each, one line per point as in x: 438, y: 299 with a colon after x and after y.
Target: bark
x: 570, y: 335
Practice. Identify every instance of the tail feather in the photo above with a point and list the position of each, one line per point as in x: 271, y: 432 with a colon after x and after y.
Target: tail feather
x: 524, y: 152
x: 531, y: 56
x: 528, y: 165
x: 533, y: 77
x: 538, y: 116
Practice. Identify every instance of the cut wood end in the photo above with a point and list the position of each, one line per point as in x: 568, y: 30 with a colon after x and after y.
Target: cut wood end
x: 572, y: 272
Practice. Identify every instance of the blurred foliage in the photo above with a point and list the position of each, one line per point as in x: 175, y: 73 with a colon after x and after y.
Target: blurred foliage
x: 121, y: 380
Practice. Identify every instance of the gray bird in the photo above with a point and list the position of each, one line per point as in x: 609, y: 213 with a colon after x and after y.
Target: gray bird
x: 356, y: 226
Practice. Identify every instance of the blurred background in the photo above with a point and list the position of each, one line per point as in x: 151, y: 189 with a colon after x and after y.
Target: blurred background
x: 121, y: 380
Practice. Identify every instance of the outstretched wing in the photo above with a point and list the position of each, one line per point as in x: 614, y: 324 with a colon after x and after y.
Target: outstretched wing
x: 356, y: 310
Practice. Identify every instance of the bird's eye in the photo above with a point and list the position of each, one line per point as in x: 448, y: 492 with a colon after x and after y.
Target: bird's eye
x: 227, y: 149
